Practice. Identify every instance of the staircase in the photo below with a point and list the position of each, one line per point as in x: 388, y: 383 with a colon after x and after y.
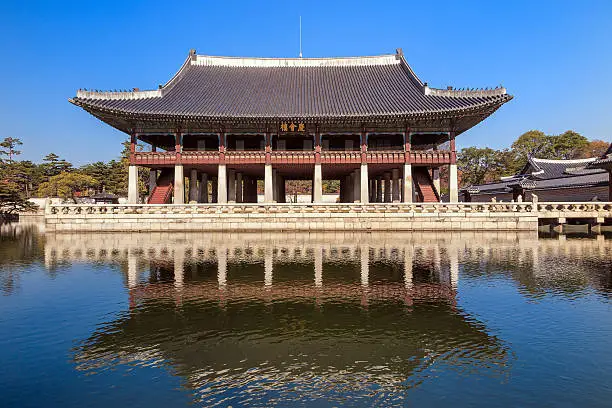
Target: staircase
x: 425, y: 188
x: 162, y: 193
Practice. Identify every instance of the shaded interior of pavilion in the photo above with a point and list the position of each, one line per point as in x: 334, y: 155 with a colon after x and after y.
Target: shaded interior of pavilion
x: 384, y: 181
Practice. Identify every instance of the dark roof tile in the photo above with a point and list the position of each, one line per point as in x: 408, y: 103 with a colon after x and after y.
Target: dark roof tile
x: 224, y: 87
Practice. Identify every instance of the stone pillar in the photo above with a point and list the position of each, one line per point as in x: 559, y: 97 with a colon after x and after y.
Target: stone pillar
x: 152, y: 180
x: 374, y: 190
x: 133, y: 185
x: 317, y: 184
x: 435, y: 176
x: 222, y: 185
x: 356, y: 186
x: 193, y: 186
x: 252, y: 190
x: 275, y: 189
x: 364, y: 184
x: 453, y: 184
x: 268, y: 184
x: 349, y: 188
x: 387, y: 187
x: 379, y: 190
x: 282, y: 193
x: 407, y: 187
x: 231, y: 186
x: 250, y: 184
x: 245, y: 188
x: 213, y: 192
x: 396, y: 190
x: 179, y: 185
x: 239, y: 190
x: 204, y: 188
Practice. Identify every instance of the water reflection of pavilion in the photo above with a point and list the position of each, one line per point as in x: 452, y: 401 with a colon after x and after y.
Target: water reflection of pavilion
x: 299, y: 317
x: 427, y: 268
x: 416, y: 258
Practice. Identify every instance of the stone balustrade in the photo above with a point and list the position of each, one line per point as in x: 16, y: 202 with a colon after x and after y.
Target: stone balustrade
x: 293, y: 208
x: 318, y: 217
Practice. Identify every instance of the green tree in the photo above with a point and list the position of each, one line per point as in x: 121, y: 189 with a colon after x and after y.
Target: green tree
x: 9, y: 145
x: 66, y: 185
x: 12, y: 199
x: 532, y: 143
x: 54, y: 165
x: 568, y: 145
x: 595, y: 148
x: 479, y: 165
x: 25, y: 174
x: 100, y: 171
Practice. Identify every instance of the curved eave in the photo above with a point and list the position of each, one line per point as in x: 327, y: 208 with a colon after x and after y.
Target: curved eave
x: 481, y: 109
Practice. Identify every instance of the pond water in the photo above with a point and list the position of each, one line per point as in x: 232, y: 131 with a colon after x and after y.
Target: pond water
x: 423, y: 319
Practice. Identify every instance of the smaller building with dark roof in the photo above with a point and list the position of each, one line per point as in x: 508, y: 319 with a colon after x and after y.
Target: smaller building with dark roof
x: 549, y: 180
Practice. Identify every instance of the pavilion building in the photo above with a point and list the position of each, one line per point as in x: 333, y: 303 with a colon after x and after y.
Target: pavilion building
x: 226, y: 122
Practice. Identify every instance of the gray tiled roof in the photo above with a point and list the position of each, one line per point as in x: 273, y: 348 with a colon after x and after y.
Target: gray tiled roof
x: 223, y: 87
x: 551, y: 174
x: 600, y: 177
x: 559, y: 168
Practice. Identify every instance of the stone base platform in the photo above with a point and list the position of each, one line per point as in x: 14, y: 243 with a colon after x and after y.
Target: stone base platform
x: 292, y: 217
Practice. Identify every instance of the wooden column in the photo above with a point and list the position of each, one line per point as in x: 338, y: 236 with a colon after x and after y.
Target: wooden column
x: 179, y: 179
x: 222, y: 147
x: 452, y: 173
x: 407, y: 145
x: 178, y: 143
x: 317, y: 181
x: 317, y: 146
x: 268, y: 148
x: 133, y: 139
x: 364, y: 146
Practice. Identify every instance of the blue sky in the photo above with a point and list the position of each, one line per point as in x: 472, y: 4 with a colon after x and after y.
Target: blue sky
x: 555, y: 57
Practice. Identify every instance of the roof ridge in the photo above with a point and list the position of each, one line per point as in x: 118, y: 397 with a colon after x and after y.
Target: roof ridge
x: 560, y: 161
x: 259, y: 62
x: 118, y: 95
x: 464, y: 92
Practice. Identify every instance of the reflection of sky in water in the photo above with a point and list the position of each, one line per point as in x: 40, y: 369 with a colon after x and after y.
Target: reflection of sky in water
x: 320, y: 320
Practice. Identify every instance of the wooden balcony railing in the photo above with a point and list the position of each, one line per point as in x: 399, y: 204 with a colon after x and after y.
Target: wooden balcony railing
x: 436, y: 157
x: 339, y: 157
x: 386, y: 157
x: 292, y: 157
x: 245, y: 157
x: 431, y: 157
x: 200, y: 157
x: 153, y: 158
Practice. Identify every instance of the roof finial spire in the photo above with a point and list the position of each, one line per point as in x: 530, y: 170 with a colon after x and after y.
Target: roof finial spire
x: 300, y: 36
